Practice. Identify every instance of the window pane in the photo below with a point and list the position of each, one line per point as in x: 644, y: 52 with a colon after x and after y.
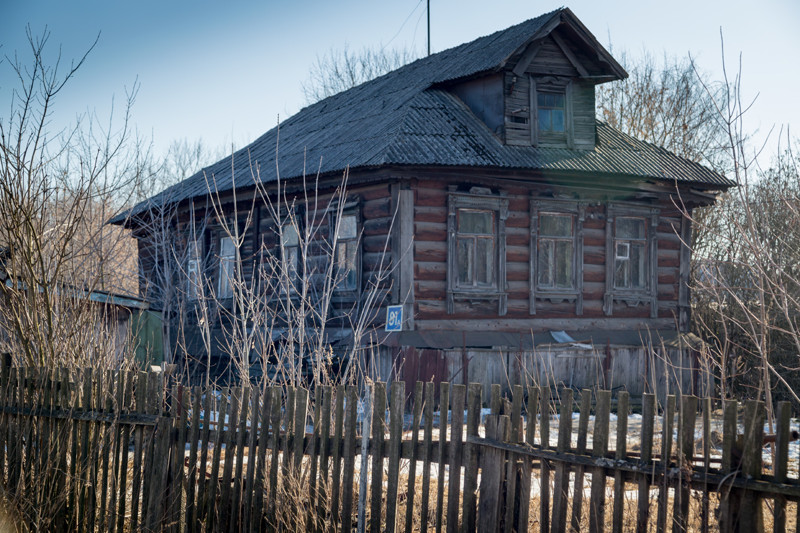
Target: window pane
x: 637, y: 262
x: 465, y: 257
x: 563, y: 265
x: 226, y: 248
x: 623, y: 250
x: 558, y: 120
x: 544, y: 120
x: 555, y: 225
x: 622, y: 273
x: 558, y: 100
x: 346, y: 265
x: 484, y: 262
x: 540, y: 99
x: 630, y: 228
x: 347, y: 227
x: 472, y: 221
x: 545, y: 263
x: 226, y: 275
x: 289, y: 235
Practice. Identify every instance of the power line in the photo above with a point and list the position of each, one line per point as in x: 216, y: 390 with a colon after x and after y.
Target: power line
x: 402, y: 25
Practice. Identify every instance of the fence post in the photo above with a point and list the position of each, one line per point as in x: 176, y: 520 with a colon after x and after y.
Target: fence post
x: 492, y: 462
x: 751, y: 517
x: 561, y: 483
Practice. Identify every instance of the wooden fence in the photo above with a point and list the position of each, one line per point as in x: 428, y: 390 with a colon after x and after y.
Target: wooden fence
x: 126, y: 451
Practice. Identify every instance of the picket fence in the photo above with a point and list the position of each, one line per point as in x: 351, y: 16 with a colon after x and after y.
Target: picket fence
x: 130, y: 451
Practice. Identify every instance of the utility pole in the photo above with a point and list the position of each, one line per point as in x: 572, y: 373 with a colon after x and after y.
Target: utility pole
x: 429, y: 27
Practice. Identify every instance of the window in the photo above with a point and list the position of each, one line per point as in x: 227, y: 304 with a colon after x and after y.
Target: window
x: 476, y: 247
x: 227, y: 267
x: 556, y: 262
x: 631, y: 257
x: 345, y: 253
x: 552, y: 111
x: 193, y: 272
x: 630, y: 253
x: 290, y: 244
x: 551, y: 105
x: 556, y: 252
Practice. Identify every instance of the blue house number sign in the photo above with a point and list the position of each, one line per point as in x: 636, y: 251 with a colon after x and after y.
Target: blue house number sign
x: 394, y: 318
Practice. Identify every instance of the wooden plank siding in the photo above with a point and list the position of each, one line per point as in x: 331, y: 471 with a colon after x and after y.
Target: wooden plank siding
x: 430, y: 262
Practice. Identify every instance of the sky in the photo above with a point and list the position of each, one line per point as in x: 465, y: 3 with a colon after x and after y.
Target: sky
x: 228, y: 72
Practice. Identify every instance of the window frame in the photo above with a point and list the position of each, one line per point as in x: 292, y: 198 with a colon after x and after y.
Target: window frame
x: 194, y: 269
x: 478, y: 199
x: 577, y: 211
x: 223, y: 261
x: 551, y: 85
x: 633, y: 296
x: 350, y: 208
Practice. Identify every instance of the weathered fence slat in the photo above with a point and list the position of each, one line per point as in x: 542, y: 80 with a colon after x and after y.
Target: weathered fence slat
x: 376, y: 449
x: 561, y: 482
x: 492, y: 470
x: 666, y: 455
x: 180, y: 463
x: 544, y: 480
x: 456, y: 440
x: 782, y: 438
x: 444, y: 405
x: 597, y: 503
x: 583, y: 431
x: 412, y: 464
x: 427, y: 447
x: 339, y: 430
x: 349, y: 454
x: 648, y: 421
x: 396, y: 408
x: 469, y: 513
x: 688, y: 417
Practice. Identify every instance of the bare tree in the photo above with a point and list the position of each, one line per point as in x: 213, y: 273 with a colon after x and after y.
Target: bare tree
x: 56, y: 192
x: 339, y: 70
x: 668, y: 103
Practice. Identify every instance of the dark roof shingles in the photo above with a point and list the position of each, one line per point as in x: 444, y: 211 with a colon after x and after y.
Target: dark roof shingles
x: 401, y: 118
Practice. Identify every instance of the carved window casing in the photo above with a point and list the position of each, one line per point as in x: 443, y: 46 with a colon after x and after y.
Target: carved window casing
x: 476, y: 241
x: 631, y: 257
x: 556, y: 261
x: 345, y: 240
x: 551, y: 106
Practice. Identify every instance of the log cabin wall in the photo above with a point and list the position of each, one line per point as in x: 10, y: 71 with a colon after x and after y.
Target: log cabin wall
x: 590, y: 308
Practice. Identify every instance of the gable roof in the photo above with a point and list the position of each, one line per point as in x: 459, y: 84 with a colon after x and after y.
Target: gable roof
x: 406, y: 117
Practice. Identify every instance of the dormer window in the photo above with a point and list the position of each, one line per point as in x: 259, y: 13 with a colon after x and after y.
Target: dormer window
x: 551, y: 106
x: 551, y: 102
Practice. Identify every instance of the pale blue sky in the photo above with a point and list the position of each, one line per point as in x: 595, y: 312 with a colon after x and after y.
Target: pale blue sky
x: 224, y: 73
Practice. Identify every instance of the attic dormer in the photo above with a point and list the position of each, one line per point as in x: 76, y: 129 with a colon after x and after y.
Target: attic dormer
x: 543, y: 94
x: 549, y: 86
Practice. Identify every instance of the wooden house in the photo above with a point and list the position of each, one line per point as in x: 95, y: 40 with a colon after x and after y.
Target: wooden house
x: 525, y: 239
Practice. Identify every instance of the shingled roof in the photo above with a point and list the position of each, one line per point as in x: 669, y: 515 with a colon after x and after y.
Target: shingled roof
x: 407, y: 117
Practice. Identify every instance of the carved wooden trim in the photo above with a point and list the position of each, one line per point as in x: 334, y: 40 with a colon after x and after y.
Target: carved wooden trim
x: 632, y: 297
x: 499, y: 204
x: 578, y: 210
